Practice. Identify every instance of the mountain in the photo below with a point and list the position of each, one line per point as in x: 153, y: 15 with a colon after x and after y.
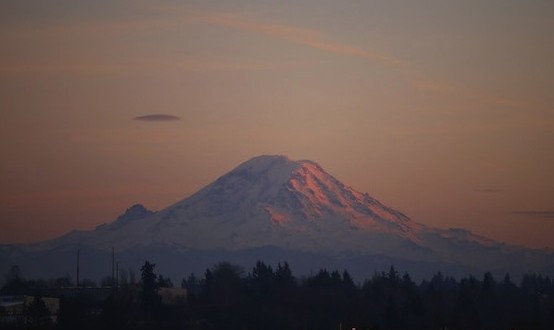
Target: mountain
x: 276, y: 209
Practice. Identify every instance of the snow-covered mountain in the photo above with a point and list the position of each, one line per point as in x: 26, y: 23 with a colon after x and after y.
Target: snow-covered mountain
x: 269, y: 200
x: 271, y: 207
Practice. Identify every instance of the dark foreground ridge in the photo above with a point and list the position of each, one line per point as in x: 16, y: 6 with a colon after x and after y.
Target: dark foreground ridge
x: 271, y: 297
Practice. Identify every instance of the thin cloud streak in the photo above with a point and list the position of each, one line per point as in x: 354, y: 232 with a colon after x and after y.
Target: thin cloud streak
x: 95, y: 29
x: 535, y: 214
x: 156, y: 117
x: 488, y: 190
x: 302, y: 36
x: 315, y: 39
x: 56, y: 69
x: 451, y: 90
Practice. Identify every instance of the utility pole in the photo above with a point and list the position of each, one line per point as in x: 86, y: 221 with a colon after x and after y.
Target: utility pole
x: 77, y: 267
x: 113, y: 266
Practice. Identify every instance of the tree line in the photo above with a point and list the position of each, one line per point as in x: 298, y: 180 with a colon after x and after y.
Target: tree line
x: 272, y: 297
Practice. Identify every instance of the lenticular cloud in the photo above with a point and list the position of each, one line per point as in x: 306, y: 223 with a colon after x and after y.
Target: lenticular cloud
x: 157, y: 117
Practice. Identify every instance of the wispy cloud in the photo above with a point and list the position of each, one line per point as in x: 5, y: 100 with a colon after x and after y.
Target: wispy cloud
x: 449, y: 89
x: 307, y: 37
x: 512, y: 103
x: 318, y: 40
x: 488, y: 190
x: 547, y: 214
x: 157, y: 117
x: 56, y: 68
x: 434, y: 86
x: 91, y: 29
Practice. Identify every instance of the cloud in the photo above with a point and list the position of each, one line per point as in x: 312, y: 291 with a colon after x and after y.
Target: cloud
x: 444, y: 88
x: 157, y: 117
x: 488, y: 190
x: 316, y: 39
x: 545, y: 214
x: 435, y: 86
x: 54, y: 68
x: 302, y: 36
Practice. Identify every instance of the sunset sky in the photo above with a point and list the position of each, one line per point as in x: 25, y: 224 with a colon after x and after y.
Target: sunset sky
x: 443, y: 110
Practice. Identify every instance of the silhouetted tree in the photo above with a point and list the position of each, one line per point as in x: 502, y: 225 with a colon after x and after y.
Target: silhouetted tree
x: 347, y: 279
x: 262, y: 280
x: 193, y: 286
x: 392, y: 275
x: 72, y: 314
x: 15, y: 284
x: 120, y: 310
x: 227, y: 280
x: 149, y: 293
x: 225, y: 293
x: 283, y: 275
x: 164, y: 282
x: 38, y: 315
x: 208, y: 283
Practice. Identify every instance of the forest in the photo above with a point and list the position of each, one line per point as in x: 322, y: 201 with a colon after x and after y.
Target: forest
x: 227, y: 296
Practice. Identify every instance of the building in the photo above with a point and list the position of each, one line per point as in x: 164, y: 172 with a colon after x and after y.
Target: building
x: 172, y: 296
x: 13, y: 309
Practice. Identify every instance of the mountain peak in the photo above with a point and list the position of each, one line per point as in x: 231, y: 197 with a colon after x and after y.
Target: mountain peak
x: 264, y: 162
x: 271, y: 171
x: 276, y: 165
x: 293, y: 194
x: 267, y: 159
x: 137, y: 211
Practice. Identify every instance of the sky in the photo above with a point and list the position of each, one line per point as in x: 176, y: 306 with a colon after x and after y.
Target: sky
x: 443, y: 110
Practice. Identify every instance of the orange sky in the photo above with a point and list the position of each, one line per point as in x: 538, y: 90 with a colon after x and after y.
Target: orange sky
x: 443, y: 110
